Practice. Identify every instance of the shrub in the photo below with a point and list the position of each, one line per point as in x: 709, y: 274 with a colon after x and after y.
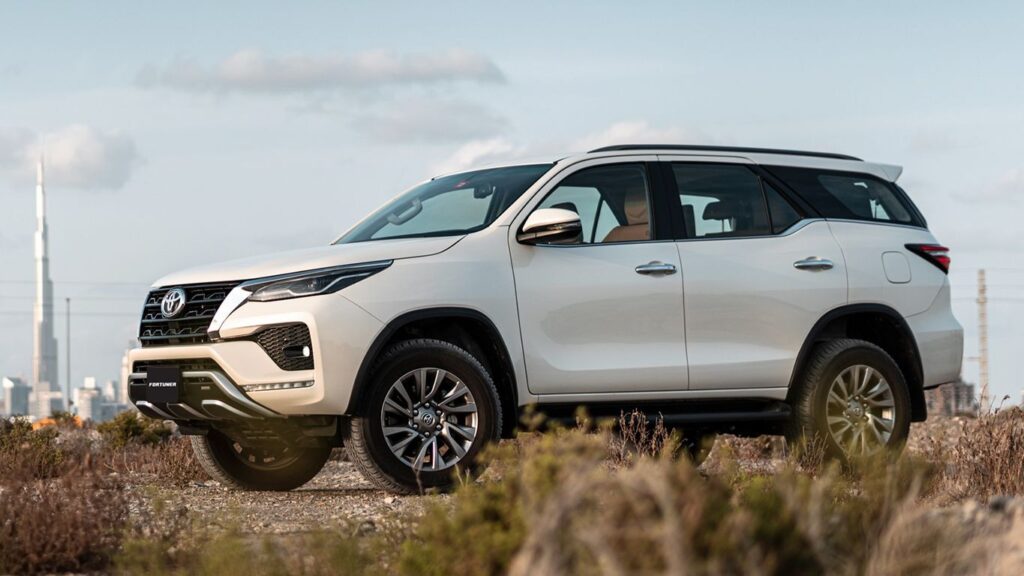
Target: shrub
x: 988, y: 458
x: 170, y: 462
x: 27, y: 454
x: 130, y: 427
x: 69, y: 524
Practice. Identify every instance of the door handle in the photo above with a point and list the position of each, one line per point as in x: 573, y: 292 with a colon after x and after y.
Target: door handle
x: 813, y: 263
x: 656, y: 268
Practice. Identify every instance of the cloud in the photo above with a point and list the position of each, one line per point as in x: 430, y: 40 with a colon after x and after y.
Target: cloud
x: 76, y: 156
x: 482, y: 152
x: 430, y: 121
x: 251, y: 71
x: 479, y: 153
x: 639, y: 132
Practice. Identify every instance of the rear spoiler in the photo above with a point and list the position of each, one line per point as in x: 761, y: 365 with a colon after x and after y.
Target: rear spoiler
x: 891, y: 171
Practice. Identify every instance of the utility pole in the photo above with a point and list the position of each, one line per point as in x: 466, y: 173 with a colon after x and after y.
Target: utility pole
x: 67, y: 348
x: 983, y: 340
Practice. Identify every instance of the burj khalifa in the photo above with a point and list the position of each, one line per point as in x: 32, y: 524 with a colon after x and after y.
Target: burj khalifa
x: 46, y: 388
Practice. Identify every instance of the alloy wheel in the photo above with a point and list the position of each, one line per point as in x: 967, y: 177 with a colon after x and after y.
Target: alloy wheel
x: 861, y: 410
x: 429, y: 419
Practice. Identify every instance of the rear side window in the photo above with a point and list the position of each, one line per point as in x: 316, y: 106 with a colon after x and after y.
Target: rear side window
x: 721, y: 200
x: 849, y: 195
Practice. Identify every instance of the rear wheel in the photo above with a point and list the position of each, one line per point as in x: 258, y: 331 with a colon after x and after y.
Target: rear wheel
x: 853, y: 401
x: 432, y: 407
x: 271, y: 467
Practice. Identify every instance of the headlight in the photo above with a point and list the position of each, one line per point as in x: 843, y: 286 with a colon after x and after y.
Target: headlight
x: 311, y: 283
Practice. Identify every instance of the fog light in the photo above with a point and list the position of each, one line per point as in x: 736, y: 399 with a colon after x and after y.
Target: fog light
x: 277, y: 386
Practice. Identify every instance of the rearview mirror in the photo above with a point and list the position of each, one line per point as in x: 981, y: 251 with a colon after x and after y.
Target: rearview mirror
x: 551, y: 226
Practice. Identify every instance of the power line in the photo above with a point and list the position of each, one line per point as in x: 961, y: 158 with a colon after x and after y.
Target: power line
x: 97, y: 314
x: 111, y: 298
x: 85, y: 282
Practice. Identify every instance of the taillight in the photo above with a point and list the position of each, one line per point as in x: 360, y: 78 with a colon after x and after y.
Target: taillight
x: 937, y: 255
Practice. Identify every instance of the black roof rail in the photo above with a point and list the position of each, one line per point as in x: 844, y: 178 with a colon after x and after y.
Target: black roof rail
x: 624, y: 147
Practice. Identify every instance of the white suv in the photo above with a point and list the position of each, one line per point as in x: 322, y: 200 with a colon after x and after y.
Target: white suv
x: 722, y: 289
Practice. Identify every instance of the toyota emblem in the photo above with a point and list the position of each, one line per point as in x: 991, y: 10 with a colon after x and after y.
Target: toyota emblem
x: 173, y: 303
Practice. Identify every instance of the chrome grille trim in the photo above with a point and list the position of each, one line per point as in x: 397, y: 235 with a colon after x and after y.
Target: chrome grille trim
x: 191, y: 326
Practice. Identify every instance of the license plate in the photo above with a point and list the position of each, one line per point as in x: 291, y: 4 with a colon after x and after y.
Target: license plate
x: 163, y: 384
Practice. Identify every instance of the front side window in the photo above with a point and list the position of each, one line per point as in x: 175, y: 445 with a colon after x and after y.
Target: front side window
x: 448, y: 206
x: 847, y: 195
x: 721, y: 200
x: 612, y: 201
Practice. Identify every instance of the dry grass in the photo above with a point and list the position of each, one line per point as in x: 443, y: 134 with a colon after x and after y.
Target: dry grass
x: 564, y: 502
x: 987, y: 460
x: 68, y: 524
x: 170, y: 463
x: 63, y: 506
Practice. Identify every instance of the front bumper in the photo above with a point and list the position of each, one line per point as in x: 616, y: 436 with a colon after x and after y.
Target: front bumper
x: 340, y: 333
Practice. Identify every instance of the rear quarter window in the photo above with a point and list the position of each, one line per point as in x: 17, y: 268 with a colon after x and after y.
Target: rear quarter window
x: 850, y: 195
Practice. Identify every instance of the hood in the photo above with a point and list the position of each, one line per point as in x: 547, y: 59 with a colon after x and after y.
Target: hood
x: 309, y: 259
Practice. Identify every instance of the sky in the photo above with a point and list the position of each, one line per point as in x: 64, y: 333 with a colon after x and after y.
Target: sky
x: 179, y: 134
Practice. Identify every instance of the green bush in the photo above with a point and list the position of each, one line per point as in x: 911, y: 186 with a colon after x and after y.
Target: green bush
x: 32, y: 454
x: 130, y: 427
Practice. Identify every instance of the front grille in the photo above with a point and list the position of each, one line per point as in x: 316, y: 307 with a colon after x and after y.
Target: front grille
x: 284, y: 344
x: 191, y: 324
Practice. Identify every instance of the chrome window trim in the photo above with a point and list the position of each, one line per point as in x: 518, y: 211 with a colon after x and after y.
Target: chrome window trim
x: 796, y: 227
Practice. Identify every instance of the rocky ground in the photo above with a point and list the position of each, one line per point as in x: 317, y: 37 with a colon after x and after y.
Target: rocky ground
x: 338, y: 495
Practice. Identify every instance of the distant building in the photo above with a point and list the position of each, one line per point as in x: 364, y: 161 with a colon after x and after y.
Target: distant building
x: 125, y: 373
x: 110, y: 392
x: 89, y: 404
x: 47, y: 397
x: 15, y: 396
x: 46, y: 403
x: 954, y: 399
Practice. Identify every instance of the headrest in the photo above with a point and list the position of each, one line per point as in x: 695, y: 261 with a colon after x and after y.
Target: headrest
x: 718, y: 211
x: 635, y: 207
x: 571, y: 206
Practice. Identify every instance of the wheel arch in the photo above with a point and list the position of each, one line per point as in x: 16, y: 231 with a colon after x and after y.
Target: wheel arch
x: 467, y: 328
x: 876, y: 323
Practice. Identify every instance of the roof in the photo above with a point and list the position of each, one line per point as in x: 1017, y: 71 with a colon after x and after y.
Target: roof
x: 626, y: 147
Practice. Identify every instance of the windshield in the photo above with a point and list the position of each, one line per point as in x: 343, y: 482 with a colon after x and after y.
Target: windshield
x: 448, y: 206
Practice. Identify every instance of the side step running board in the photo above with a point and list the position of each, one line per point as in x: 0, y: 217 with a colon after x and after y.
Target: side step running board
x: 721, y: 417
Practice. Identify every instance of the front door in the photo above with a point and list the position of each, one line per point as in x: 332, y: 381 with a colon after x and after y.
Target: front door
x: 606, y: 314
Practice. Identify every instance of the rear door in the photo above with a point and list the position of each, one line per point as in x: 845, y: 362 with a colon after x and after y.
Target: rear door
x: 604, y: 315
x: 757, y: 273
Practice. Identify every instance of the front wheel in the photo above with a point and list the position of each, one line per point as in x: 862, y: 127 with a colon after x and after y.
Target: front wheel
x: 853, y: 401
x: 282, y: 467
x: 431, y: 408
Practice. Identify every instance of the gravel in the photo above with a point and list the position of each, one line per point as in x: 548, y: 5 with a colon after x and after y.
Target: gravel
x: 337, y: 496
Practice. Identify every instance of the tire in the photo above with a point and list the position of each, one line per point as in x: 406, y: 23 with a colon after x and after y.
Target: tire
x: 851, y: 417
x: 405, y: 461
x: 239, y: 467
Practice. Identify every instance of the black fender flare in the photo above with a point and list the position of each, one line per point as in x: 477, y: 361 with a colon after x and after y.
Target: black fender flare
x: 915, y: 380
x: 362, y: 381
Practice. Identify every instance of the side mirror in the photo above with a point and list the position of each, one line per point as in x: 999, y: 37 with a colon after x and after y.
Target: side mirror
x: 551, y: 226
